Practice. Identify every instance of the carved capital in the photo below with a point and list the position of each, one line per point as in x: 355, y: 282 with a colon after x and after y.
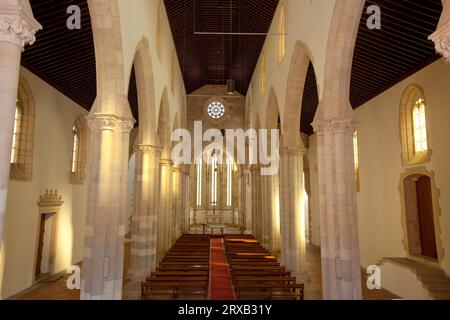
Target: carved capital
x: 145, y: 148
x: 441, y: 39
x: 335, y: 126
x: 109, y: 122
x: 165, y: 162
x: 292, y: 151
x: 17, y: 27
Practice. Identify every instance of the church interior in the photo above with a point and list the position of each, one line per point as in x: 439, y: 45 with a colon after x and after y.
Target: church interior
x: 224, y: 150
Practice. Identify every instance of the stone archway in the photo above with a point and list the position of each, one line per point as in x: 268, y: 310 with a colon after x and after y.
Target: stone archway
x: 334, y: 126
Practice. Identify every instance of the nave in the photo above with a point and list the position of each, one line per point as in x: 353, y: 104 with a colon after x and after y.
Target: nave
x: 231, y: 276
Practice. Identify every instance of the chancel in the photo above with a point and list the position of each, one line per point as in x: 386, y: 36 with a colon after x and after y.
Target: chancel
x: 224, y: 150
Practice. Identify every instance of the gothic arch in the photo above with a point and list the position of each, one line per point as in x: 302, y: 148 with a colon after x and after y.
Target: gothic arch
x: 111, y: 98
x: 298, y: 69
x: 272, y: 111
x: 335, y: 103
x: 163, y: 131
x: 146, y: 92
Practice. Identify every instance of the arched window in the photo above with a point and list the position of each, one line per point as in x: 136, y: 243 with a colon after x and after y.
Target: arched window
x: 16, y: 135
x: 420, y: 127
x: 263, y: 75
x: 199, y: 183
x: 229, y: 182
x: 78, y: 155
x: 159, y: 29
x: 356, y: 158
x: 413, y: 127
x: 23, y: 134
x: 282, y: 34
x: 214, y: 167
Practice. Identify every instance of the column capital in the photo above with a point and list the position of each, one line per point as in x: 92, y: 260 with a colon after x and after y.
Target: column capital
x: 165, y: 162
x: 441, y: 39
x: 335, y: 126
x: 18, y: 26
x: 110, y: 122
x: 292, y: 151
x: 144, y: 148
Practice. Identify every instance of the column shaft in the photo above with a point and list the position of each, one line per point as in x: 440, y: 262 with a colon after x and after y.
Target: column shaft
x: 293, y: 242
x: 341, y: 275
x: 17, y: 29
x: 105, y: 217
x: 145, y: 216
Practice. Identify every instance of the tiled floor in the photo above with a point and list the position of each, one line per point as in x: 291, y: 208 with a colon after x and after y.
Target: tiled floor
x: 57, y: 289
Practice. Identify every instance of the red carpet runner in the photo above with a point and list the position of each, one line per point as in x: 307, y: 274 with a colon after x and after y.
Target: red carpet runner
x: 221, y: 285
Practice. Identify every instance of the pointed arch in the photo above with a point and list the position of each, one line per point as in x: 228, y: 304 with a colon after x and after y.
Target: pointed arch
x: 163, y: 131
x: 143, y: 68
x: 298, y: 69
x: 272, y: 111
x: 111, y: 98
x: 339, y: 57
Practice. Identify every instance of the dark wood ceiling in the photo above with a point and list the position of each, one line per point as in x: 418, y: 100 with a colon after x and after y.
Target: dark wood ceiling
x: 63, y: 58
x: 205, y: 59
x: 383, y: 58
x: 66, y: 58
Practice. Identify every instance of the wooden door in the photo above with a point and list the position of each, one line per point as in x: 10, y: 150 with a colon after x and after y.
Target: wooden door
x: 40, y: 246
x: 426, y: 219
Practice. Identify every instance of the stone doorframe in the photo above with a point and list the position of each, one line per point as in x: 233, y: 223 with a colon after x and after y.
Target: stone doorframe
x: 435, y: 192
x: 49, y: 203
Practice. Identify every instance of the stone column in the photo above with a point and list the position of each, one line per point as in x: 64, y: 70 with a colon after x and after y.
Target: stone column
x: 441, y: 37
x: 256, y: 203
x: 176, y: 204
x: 270, y: 213
x: 341, y: 274
x: 247, y: 177
x: 292, y: 224
x: 17, y: 29
x: 165, y: 209
x: 144, y: 221
x: 184, y: 194
x: 106, y: 203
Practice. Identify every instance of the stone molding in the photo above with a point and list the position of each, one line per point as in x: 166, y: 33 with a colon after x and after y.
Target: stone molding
x: 109, y: 122
x: 441, y: 39
x: 144, y: 148
x: 18, y: 27
x: 334, y: 126
x: 292, y: 151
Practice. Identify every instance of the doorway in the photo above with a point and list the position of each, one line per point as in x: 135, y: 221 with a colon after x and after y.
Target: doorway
x: 420, y: 217
x: 45, y: 246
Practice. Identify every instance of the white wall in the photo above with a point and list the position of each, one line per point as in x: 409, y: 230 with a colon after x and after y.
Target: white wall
x: 55, y: 116
x: 138, y: 19
x: 379, y: 203
x: 306, y: 21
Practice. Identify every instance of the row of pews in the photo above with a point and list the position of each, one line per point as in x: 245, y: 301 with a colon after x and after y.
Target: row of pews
x: 183, y: 273
x: 257, y: 275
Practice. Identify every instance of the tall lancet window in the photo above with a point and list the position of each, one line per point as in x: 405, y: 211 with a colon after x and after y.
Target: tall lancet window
x: 75, y: 149
x: 199, y: 183
x: 214, y: 180
x: 420, y: 127
x: 15, y: 143
x: 229, y: 181
x: 282, y: 35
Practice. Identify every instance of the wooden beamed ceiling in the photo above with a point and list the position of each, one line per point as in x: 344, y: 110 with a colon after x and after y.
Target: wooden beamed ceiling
x: 66, y: 58
x: 383, y: 58
x: 214, y: 58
